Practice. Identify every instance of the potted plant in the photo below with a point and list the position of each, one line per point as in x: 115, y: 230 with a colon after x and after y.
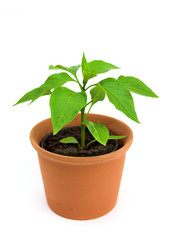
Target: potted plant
x: 81, y: 155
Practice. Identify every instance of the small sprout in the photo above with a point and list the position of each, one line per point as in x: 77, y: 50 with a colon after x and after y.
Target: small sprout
x: 111, y: 137
x: 70, y: 140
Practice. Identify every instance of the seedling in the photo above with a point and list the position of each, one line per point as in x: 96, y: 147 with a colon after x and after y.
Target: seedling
x: 65, y: 104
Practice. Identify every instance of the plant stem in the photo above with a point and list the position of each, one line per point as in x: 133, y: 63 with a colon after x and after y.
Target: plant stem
x: 81, y: 87
x: 93, y: 99
x: 82, y: 122
x: 88, y: 103
x: 82, y: 129
x: 91, y: 142
x: 90, y: 86
x: 88, y: 111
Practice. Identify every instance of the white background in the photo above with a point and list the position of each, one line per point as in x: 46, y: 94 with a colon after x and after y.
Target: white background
x: 133, y: 35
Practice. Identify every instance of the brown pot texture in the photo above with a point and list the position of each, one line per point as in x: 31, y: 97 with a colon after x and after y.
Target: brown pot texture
x: 82, y: 187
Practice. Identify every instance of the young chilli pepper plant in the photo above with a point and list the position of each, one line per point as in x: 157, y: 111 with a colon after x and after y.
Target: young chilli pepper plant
x: 65, y: 104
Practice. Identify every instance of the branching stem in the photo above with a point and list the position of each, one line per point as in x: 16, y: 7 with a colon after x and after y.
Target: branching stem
x: 90, y: 86
x: 88, y: 112
x: 81, y: 87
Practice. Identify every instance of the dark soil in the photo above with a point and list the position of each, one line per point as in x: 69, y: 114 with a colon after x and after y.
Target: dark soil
x: 51, y: 143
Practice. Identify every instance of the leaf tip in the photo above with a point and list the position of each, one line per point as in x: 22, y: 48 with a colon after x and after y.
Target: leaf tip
x: 50, y: 67
x: 153, y: 95
x: 122, y: 137
x: 156, y: 96
x: 55, y: 131
x: 136, y: 119
x: 84, y: 57
x: 14, y: 104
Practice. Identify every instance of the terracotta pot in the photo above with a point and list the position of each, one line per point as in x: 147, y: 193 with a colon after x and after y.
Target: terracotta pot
x: 82, y: 187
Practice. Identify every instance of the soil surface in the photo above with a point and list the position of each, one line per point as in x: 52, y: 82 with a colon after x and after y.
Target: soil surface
x: 51, y: 143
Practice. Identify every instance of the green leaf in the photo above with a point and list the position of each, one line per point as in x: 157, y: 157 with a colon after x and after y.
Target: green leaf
x: 99, y: 131
x: 99, y: 66
x: 87, y: 73
x: 70, y: 140
x: 137, y: 86
x: 120, y: 97
x: 111, y: 137
x: 53, y: 81
x: 56, y: 80
x: 72, y: 70
x: 33, y: 95
x: 91, y: 69
x: 48, y: 93
x: 116, y: 137
x: 97, y: 94
x: 65, y: 105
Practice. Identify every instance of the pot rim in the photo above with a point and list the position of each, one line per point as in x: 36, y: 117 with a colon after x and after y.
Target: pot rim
x: 82, y: 160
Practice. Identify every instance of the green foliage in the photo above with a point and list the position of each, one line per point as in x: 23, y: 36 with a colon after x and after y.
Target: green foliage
x: 65, y: 104
x: 54, y: 81
x: 99, y: 131
x: 72, y: 70
x: 97, y: 94
x: 92, y: 69
x: 87, y: 73
x: 70, y: 140
x: 120, y: 96
x: 137, y: 86
x: 99, y: 66
x: 115, y: 137
x: 111, y: 137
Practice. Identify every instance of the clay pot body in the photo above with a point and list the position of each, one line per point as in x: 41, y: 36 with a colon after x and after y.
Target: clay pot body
x: 82, y: 187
